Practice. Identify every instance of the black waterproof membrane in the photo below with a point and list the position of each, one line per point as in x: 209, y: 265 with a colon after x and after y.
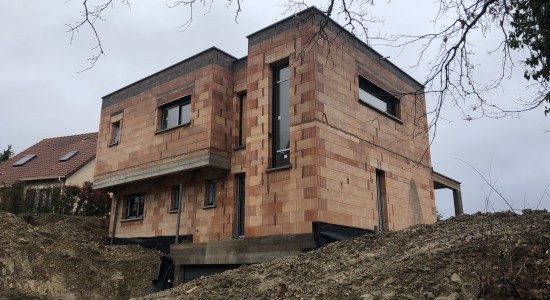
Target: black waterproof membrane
x: 161, y: 243
x: 326, y: 233
x: 162, y: 280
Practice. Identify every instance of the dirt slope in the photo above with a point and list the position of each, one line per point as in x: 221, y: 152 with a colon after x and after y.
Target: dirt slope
x: 63, y: 257
x: 492, y: 256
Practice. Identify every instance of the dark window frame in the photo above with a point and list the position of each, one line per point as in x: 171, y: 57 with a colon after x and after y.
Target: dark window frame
x: 164, y: 109
x: 175, y: 198
x: 391, y: 101
x: 240, y: 205
x: 381, y: 199
x: 241, y: 139
x: 279, y: 122
x: 140, y: 198
x: 211, y: 193
x: 115, y: 133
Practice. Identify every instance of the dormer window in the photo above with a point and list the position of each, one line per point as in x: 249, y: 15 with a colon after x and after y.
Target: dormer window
x: 24, y: 160
x: 68, y: 156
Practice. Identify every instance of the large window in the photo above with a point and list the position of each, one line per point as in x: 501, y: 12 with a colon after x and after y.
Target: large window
x: 281, y: 116
x: 374, y: 96
x: 242, y: 121
x: 175, y: 113
x: 134, y: 206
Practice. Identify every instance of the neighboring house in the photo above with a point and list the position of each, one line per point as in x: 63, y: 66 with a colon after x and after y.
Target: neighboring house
x: 53, y: 162
x: 249, y: 158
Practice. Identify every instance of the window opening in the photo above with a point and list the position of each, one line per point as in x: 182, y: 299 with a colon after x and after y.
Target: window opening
x: 176, y: 197
x: 240, y: 207
x: 380, y: 195
x: 374, y: 96
x: 281, y: 116
x: 176, y: 113
x: 211, y: 193
x: 134, y: 206
x: 115, y: 132
x: 242, y: 120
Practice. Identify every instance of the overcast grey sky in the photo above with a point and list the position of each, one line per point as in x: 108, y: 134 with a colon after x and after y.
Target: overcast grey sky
x: 43, y: 95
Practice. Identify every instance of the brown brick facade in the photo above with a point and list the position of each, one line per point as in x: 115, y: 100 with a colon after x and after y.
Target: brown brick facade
x: 337, y: 144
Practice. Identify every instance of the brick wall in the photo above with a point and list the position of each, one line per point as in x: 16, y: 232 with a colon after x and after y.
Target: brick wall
x: 337, y: 144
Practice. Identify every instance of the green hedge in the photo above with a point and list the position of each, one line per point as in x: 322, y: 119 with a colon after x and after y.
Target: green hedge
x: 67, y: 200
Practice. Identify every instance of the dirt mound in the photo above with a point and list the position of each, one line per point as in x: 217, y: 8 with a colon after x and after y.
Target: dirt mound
x: 492, y: 256
x: 64, y: 257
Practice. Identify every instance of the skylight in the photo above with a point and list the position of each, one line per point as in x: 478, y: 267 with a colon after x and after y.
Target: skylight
x: 24, y: 160
x: 68, y: 155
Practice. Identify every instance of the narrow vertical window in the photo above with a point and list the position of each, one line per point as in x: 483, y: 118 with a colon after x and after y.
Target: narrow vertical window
x: 115, y: 133
x: 176, y: 194
x: 211, y: 193
x: 240, y: 205
x: 281, y: 116
x: 380, y: 197
x: 242, y: 121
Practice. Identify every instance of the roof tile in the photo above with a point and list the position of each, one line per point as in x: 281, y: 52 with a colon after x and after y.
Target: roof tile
x: 46, y: 164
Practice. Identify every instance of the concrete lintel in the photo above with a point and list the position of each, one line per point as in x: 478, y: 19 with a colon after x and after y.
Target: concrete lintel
x: 443, y: 182
x: 204, y: 160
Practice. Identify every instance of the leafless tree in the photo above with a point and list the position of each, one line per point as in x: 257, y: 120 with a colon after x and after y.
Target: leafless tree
x: 446, y: 52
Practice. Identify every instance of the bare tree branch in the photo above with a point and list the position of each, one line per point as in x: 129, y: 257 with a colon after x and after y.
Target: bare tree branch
x: 90, y: 14
x: 205, y: 3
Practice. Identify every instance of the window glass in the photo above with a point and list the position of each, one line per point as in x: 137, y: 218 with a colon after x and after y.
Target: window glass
x: 175, y: 198
x: 281, y: 116
x: 240, y: 205
x: 24, y: 160
x: 376, y: 97
x: 211, y: 200
x: 115, y: 132
x: 171, y: 117
x: 242, y: 120
x: 68, y: 156
x: 372, y: 100
x: 186, y: 113
x: 134, y: 208
x: 176, y: 113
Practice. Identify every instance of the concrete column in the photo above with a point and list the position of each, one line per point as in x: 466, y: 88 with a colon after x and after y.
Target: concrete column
x: 457, y: 197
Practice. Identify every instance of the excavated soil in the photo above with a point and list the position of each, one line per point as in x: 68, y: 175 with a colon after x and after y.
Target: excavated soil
x: 491, y: 256
x: 64, y: 257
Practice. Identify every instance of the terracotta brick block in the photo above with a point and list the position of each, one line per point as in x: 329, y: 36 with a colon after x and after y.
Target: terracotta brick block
x: 337, y: 144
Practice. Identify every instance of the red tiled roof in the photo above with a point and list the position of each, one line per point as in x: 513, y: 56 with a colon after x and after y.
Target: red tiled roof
x: 46, y: 164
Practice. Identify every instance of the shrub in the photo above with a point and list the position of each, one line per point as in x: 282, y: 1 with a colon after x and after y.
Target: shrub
x: 67, y: 200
